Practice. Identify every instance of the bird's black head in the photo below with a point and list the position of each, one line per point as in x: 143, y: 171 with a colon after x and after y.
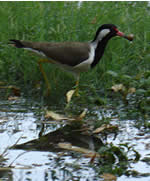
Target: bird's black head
x: 107, y: 31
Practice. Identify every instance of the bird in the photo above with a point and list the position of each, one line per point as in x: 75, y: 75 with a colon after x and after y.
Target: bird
x: 75, y: 57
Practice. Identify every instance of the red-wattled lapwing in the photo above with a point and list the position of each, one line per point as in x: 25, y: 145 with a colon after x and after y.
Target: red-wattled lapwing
x: 73, y: 56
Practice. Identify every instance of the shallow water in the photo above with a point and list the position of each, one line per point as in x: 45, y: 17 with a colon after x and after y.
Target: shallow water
x: 21, y: 121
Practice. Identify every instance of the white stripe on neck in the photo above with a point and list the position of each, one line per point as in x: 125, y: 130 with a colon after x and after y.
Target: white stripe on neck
x: 100, y: 36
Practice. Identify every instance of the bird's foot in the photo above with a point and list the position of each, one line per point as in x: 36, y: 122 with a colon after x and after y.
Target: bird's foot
x: 76, y: 93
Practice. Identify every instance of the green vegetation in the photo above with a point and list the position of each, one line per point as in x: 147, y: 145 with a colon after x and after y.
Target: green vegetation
x: 71, y: 21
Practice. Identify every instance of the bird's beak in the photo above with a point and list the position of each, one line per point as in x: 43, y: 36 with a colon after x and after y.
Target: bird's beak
x: 128, y: 37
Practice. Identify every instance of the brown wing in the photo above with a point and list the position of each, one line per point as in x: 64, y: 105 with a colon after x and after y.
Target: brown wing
x: 69, y: 53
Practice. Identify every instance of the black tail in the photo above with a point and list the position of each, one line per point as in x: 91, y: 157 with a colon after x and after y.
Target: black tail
x: 16, y: 43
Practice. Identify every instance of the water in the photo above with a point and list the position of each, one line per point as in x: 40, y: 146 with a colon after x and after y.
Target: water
x: 21, y: 121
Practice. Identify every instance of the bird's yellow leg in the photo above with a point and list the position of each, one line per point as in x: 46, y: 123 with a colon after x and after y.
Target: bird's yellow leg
x: 43, y: 72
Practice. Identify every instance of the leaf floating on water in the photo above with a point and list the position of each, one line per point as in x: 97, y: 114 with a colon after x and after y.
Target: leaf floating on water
x: 88, y: 153
x: 13, y: 98
x: 118, y: 87
x: 59, y: 117
x: 69, y: 95
x: 109, y: 177
x: 55, y: 116
x: 65, y: 145
x: 104, y: 127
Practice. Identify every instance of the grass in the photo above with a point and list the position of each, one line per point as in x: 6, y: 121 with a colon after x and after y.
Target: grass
x: 71, y: 21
